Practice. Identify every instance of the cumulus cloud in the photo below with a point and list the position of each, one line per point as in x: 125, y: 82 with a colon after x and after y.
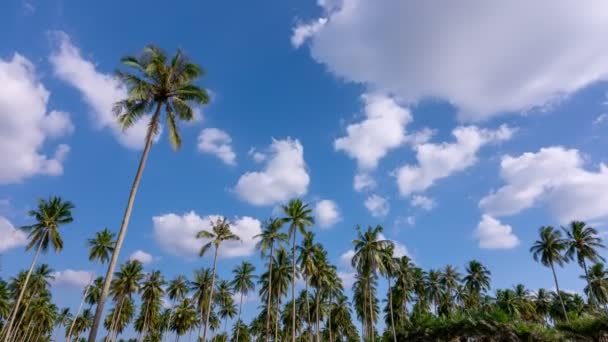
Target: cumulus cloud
x: 382, y: 130
x: 176, y: 234
x: 11, y: 237
x: 422, y: 202
x: 217, y: 142
x: 363, y: 181
x: 554, y: 176
x: 378, y: 206
x: 327, y: 213
x: 99, y: 90
x: 284, y: 175
x: 257, y: 156
x: 141, y: 256
x: 26, y: 126
x: 484, y: 57
x: 494, y: 235
x: 437, y: 161
x: 72, y: 278
x: 304, y: 31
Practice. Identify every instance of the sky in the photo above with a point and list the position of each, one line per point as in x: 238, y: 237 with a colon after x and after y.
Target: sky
x: 460, y: 127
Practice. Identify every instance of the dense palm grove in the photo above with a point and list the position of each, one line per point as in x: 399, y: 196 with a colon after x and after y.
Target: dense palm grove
x: 447, y: 304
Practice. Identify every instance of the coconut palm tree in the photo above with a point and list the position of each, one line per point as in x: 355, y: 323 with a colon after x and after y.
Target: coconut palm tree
x: 370, y: 251
x: 306, y: 260
x: 597, y: 287
x: 227, y: 307
x: 80, y: 324
x: 126, y: 284
x: 101, y: 247
x: 151, y: 290
x: 184, y: 318
x: 548, y: 250
x: 200, y: 286
x: 281, y: 278
x: 176, y: 291
x: 476, y: 281
x: 242, y: 283
x: 156, y: 84
x: 63, y: 317
x: 389, y: 269
x: 299, y: 216
x: 270, y: 238
x: 220, y: 232
x: 49, y: 216
x: 583, y: 244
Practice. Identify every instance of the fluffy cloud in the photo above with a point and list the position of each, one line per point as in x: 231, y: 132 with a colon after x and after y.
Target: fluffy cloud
x: 11, y: 237
x: 382, y: 130
x: 377, y: 205
x: 422, y: 202
x: 327, y: 213
x: 494, y: 235
x: 554, y: 176
x: 437, y: 161
x: 400, y: 249
x: 72, y: 278
x: 176, y: 234
x: 25, y: 124
x: 304, y: 31
x: 484, y: 57
x: 283, y: 177
x: 363, y: 181
x: 141, y: 256
x: 217, y: 142
x: 100, y: 91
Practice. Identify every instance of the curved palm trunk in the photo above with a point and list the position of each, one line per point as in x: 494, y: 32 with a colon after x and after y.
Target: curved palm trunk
x: 114, y: 326
x: 268, y: 308
x: 390, y: 305
x: 293, y: 287
x: 27, y: 330
x: 86, y: 291
x: 11, y: 320
x: 124, y: 225
x: 210, y: 295
x: 238, y: 321
x: 559, y: 294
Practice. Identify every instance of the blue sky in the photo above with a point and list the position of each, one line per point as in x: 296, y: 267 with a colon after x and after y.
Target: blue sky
x: 473, y: 137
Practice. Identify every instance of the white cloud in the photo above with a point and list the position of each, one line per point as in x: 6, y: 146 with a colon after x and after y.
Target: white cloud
x: 141, y: 256
x: 377, y: 205
x: 217, y: 142
x: 100, y: 91
x: 494, y: 235
x: 327, y: 213
x: 72, y: 278
x: 400, y: 249
x: 283, y: 177
x: 176, y: 234
x: 304, y: 31
x: 484, y: 57
x: 348, y: 278
x: 382, y: 130
x: 422, y: 202
x: 600, y: 119
x: 437, y: 161
x: 554, y: 176
x: 346, y: 257
x: 11, y: 237
x: 257, y: 156
x: 25, y: 124
x: 363, y: 181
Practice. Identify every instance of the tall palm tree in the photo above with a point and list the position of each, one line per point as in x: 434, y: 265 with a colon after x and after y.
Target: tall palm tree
x: 390, y: 268
x: 548, y: 250
x: 242, y: 283
x: 306, y: 259
x: 177, y: 291
x: 476, y: 281
x: 583, y: 243
x: 126, y: 284
x: 101, y: 247
x: 184, y: 318
x: 156, y: 84
x: 267, y: 240
x: 299, y: 216
x: 450, y: 279
x: 227, y: 307
x: 49, y: 216
x: 597, y: 287
x: 200, y: 285
x: 220, y: 232
x: 370, y: 251
x: 152, y: 292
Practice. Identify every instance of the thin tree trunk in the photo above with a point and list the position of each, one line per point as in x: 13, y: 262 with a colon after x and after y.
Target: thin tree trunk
x: 114, y: 326
x: 293, y: 286
x: 11, y: 320
x: 124, y: 225
x: 27, y: 306
x: 145, y: 327
x: 559, y: 294
x: 210, y: 295
x: 238, y: 321
x: 329, y: 318
x: 364, y: 324
x: 371, y: 311
x: 276, y: 321
x: 390, y: 305
x: 268, y: 308
x: 86, y: 291
x: 317, y: 313
x: 307, y: 304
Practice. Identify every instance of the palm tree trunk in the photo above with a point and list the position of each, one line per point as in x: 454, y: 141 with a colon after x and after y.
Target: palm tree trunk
x: 124, y: 225
x: 268, y: 308
x: 145, y: 327
x: 307, y: 304
x: 238, y: 321
x: 114, y: 326
x: 371, y: 311
x: 293, y: 286
x: 559, y: 294
x: 590, y: 295
x: 86, y: 291
x: 390, y: 305
x: 23, y: 314
x: 276, y: 321
x: 210, y: 295
x: 11, y: 320
x: 364, y: 324
x: 317, y: 314
x: 329, y: 318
